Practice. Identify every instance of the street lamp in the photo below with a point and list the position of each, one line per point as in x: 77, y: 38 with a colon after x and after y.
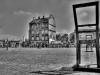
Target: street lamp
x: 7, y: 43
x: 23, y: 39
x: 7, y: 39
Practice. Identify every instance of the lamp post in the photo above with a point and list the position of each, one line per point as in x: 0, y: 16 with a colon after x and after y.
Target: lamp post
x: 0, y: 26
x: 7, y: 43
x: 23, y: 39
x: 7, y: 38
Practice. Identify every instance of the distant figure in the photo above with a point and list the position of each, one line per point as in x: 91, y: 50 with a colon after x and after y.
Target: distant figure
x: 89, y: 45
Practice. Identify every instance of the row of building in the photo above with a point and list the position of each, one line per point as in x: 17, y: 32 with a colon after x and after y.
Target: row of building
x: 42, y: 32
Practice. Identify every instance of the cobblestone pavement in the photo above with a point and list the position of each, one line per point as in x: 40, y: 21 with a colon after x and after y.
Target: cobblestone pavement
x: 22, y: 61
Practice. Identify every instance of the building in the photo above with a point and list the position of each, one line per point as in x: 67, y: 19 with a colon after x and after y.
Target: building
x: 84, y: 36
x: 42, y: 31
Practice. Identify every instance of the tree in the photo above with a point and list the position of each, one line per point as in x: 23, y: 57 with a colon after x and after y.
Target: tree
x: 72, y: 38
x: 64, y: 38
x: 58, y: 37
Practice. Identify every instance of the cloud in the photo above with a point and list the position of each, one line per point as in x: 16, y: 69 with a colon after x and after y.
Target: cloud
x: 41, y: 14
x: 23, y: 13
x: 64, y: 32
x: 83, y: 14
x: 10, y: 37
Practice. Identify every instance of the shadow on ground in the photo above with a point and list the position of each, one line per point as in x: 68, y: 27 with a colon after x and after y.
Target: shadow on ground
x: 68, y: 70
x: 62, y: 71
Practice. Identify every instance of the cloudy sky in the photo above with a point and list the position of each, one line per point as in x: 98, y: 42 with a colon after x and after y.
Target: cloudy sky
x: 15, y: 15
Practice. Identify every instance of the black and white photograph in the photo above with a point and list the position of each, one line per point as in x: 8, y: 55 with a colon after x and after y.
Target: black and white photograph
x: 49, y: 37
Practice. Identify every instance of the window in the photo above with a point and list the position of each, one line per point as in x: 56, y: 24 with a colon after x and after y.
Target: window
x: 34, y: 27
x: 46, y: 38
x: 37, y: 32
x: 46, y: 31
x: 42, y: 37
x: 37, y: 25
x: 32, y: 38
x: 37, y: 38
x: 42, y: 25
x: 42, y: 31
x: 46, y: 25
x: 32, y: 32
x: 80, y: 36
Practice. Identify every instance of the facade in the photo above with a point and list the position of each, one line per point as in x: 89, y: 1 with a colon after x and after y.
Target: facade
x: 42, y: 31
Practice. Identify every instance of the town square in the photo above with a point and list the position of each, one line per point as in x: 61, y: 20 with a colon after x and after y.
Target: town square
x: 49, y: 37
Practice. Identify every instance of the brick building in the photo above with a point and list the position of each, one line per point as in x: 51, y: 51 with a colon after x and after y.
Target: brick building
x: 42, y: 31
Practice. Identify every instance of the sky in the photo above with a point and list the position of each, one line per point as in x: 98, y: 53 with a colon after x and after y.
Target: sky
x: 15, y: 15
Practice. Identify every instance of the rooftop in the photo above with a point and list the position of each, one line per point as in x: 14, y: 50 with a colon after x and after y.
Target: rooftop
x: 39, y: 19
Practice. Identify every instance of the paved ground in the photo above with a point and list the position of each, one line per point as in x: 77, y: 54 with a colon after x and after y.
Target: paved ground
x: 21, y: 61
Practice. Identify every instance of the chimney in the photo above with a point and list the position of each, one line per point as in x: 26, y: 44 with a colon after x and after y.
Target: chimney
x: 33, y: 18
x: 50, y: 15
x: 39, y: 17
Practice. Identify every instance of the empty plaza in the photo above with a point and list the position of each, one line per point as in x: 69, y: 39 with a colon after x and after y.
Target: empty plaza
x: 22, y: 61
